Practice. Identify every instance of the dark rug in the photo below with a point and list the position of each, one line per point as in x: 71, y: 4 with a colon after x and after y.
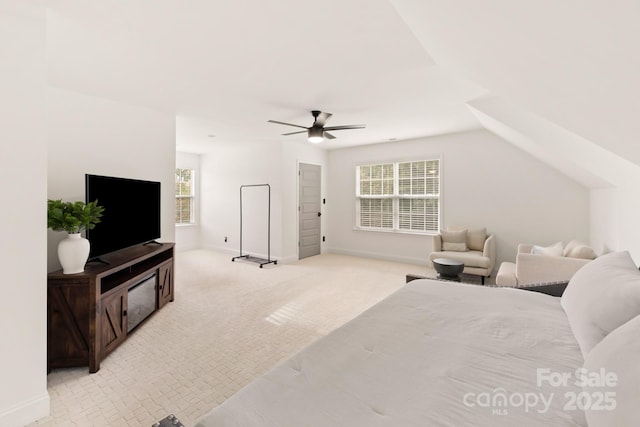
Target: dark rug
x: 168, y: 421
x: 470, y: 279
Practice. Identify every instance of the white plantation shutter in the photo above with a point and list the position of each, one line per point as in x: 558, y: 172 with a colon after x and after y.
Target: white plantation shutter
x: 376, y: 213
x: 418, y: 214
x: 376, y: 180
x: 402, y: 196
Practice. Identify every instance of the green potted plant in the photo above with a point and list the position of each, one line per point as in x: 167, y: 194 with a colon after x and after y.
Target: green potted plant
x: 73, y: 217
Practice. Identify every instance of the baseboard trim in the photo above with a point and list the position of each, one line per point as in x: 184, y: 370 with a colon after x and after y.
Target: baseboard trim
x: 339, y: 251
x: 385, y: 257
x: 26, y: 412
x: 288, y: 260
x: 231, y: 252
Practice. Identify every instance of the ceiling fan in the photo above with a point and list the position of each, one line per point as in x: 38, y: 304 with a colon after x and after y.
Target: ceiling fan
x: 317, y: 131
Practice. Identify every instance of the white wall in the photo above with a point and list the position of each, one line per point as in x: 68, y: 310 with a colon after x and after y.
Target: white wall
x: 103, y: 137
x: 188, y: 235
x: 227, y: 167
x: 614, y: 219
x: 486, y: 183
x: 626, y: 208
x: 23, y: 163
x: 223, y: 171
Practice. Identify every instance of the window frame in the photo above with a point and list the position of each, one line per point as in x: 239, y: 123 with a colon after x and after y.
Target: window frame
x: 191, y: 197
x: 396, y: 197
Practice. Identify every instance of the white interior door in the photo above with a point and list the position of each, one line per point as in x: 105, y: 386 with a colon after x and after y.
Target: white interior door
x: 309, y: 210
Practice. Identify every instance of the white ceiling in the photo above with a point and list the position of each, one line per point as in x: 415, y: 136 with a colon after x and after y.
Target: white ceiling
x: 566, y: 73
x: 226, y: 67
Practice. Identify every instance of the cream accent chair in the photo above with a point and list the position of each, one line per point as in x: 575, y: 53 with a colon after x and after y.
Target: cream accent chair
x: 477, y: 262
x: 534, y: 268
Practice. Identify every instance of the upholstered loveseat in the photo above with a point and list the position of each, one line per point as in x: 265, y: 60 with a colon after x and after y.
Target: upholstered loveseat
x: 541, y: 265
x: 473, y: 247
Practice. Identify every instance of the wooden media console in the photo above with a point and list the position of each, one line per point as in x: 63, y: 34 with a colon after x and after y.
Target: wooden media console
x: 90, y: 313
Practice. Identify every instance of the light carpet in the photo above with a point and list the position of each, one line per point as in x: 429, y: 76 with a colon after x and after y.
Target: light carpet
x: 230, y: 322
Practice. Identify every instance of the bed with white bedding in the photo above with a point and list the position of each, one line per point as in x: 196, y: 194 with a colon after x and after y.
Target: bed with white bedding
x: 432, y: 354
x: 446, y: 354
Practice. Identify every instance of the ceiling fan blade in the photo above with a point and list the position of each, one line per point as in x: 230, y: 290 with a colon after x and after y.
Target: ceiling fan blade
x: 345, y: 127
x: 328, y: 135
x: 296, y: 132
x: 287, y: 124
x: 320, y: 118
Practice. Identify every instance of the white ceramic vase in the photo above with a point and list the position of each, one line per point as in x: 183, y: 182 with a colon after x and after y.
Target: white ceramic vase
x: 73, y: 253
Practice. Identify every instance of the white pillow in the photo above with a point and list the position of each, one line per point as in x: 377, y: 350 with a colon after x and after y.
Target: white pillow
x: 617, y: 355
x: 454, y: 240
x: 577, y: 249
x: 581, y: 251
x: 553, y: 250
x: 454, y: 247
x: 601, y: 296
x: 572, y: 244
x: 476, y: 239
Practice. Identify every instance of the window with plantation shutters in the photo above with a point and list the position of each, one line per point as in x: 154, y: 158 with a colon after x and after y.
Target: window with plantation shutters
x: 185, y: 196
x: 401, y: 196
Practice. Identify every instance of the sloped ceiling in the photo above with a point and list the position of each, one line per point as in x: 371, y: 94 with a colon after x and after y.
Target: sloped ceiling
x: 570, y: 66
x: 576, y: 157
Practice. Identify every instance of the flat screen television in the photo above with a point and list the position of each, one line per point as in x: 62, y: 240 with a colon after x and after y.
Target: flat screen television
x: 131, y: 213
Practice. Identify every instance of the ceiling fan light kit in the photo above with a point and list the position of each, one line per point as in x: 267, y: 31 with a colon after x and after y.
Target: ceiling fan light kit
x: 316, y: 133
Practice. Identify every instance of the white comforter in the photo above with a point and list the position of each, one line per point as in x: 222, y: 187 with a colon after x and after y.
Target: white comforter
x: 432, y: 354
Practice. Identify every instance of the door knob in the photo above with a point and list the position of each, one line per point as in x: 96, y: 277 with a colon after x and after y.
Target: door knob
x: 319, y: 214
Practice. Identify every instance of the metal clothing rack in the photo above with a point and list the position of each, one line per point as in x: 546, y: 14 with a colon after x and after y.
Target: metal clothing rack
x: 257, y: 260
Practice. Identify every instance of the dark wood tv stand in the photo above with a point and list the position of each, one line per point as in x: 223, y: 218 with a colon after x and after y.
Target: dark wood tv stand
x: 87, y: 312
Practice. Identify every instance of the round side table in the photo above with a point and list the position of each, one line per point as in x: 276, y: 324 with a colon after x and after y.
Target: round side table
x: 448, y: 269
